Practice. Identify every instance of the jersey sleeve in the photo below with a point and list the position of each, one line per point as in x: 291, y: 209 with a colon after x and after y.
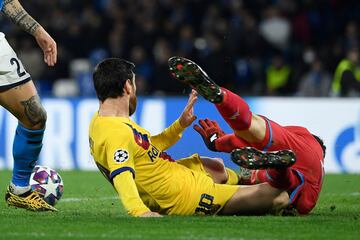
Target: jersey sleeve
x: 168, y: 137
x: 129, y: 195
x: 1, y: 4
x: 120, y: 152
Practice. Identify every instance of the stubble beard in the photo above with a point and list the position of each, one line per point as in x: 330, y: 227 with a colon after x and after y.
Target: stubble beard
x: 132, y: 105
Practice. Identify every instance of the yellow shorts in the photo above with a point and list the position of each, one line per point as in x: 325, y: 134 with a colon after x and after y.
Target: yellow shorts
x: 201, y: 196
x: 194, y: 163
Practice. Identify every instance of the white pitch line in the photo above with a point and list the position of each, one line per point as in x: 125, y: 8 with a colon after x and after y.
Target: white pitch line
x: 355, y: 194
x: 69, y: 235
x: 87, y: 199
x: 351, y: 194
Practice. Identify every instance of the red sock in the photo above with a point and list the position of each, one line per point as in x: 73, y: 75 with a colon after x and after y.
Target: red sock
x: 229, y: 142
x: 286, y: 179
x: 259, y: 176
x: 234, y: 110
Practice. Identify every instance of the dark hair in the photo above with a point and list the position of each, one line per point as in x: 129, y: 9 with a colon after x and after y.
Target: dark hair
x: 110, y: 76
x: 321, y: 142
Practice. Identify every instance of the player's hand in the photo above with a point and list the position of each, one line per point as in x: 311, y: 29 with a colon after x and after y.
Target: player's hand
x: 47, y: 45
x: 209, y: 131
x: 150, y: 214
x: 187, y: 117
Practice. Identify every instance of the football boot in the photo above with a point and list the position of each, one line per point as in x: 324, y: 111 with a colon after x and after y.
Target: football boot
x: 251, y: 158
x: 189, y: 73
x: 30, y: 200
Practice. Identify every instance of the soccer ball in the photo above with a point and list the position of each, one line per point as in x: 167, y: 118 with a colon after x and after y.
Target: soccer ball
x: 48, y: 183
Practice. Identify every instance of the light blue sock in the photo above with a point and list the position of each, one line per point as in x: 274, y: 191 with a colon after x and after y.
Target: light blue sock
x: 26, y: 149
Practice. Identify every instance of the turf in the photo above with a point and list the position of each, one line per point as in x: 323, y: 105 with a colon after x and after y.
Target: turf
x: 89, y: 209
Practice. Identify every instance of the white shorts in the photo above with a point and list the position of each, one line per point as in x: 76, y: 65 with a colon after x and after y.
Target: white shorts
x: 12, y: 71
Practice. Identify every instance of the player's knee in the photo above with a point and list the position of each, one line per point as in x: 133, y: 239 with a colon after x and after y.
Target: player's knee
x: 218, y: 164
x: 216, y: 167
x: 220, y: 167
x: 36, y: 121
x: 42, y: 120
x: 281, y: 201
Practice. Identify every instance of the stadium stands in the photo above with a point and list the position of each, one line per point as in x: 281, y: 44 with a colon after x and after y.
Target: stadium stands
x: 235, y: 41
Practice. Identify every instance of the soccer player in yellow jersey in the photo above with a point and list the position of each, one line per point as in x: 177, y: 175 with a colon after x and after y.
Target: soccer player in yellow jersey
x: 148, y: 182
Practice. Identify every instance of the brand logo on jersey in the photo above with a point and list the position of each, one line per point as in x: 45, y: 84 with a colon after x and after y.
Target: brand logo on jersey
x: 166, y: 156
x: 141, y: 139
x: 213, y: 137
x: 121, y: 156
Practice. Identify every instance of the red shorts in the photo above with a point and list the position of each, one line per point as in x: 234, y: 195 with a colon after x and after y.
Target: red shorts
x: 306, y: 198
x: 309, y: 161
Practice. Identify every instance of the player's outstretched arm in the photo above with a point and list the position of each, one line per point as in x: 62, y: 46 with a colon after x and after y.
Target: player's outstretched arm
x: 17, y: 14
x: 188, y: 117
x: 173, y: 133
x: 129, y: 195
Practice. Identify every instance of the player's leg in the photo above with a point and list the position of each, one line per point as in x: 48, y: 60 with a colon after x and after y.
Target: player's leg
x: 245, y: 124
x: 254, y: 176
x: 277, y: 164
x: 256, y: 199
x: 24, y: 103
x: 232, y: 107
x: 219, y: 173
x: 223, y: 175
x: 213, y: 167
x: 19, y: 96
x: 270, y: 197
x: 273, y: 168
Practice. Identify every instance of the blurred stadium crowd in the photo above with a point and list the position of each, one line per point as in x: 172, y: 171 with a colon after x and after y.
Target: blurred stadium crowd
x: 256, y: 47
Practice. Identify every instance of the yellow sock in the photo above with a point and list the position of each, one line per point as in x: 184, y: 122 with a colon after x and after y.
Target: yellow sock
x: 233, y: 178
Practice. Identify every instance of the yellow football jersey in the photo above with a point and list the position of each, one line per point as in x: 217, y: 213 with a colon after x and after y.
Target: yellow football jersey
x: 143, y: 175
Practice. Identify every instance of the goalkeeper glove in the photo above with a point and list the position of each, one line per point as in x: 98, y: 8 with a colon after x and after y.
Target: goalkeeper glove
x: 209, y: 131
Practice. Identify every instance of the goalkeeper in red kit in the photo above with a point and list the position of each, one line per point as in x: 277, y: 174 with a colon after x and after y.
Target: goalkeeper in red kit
x: 258, y: 144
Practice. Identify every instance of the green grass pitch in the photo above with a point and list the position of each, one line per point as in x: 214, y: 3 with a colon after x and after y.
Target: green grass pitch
x: 90, y: 209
